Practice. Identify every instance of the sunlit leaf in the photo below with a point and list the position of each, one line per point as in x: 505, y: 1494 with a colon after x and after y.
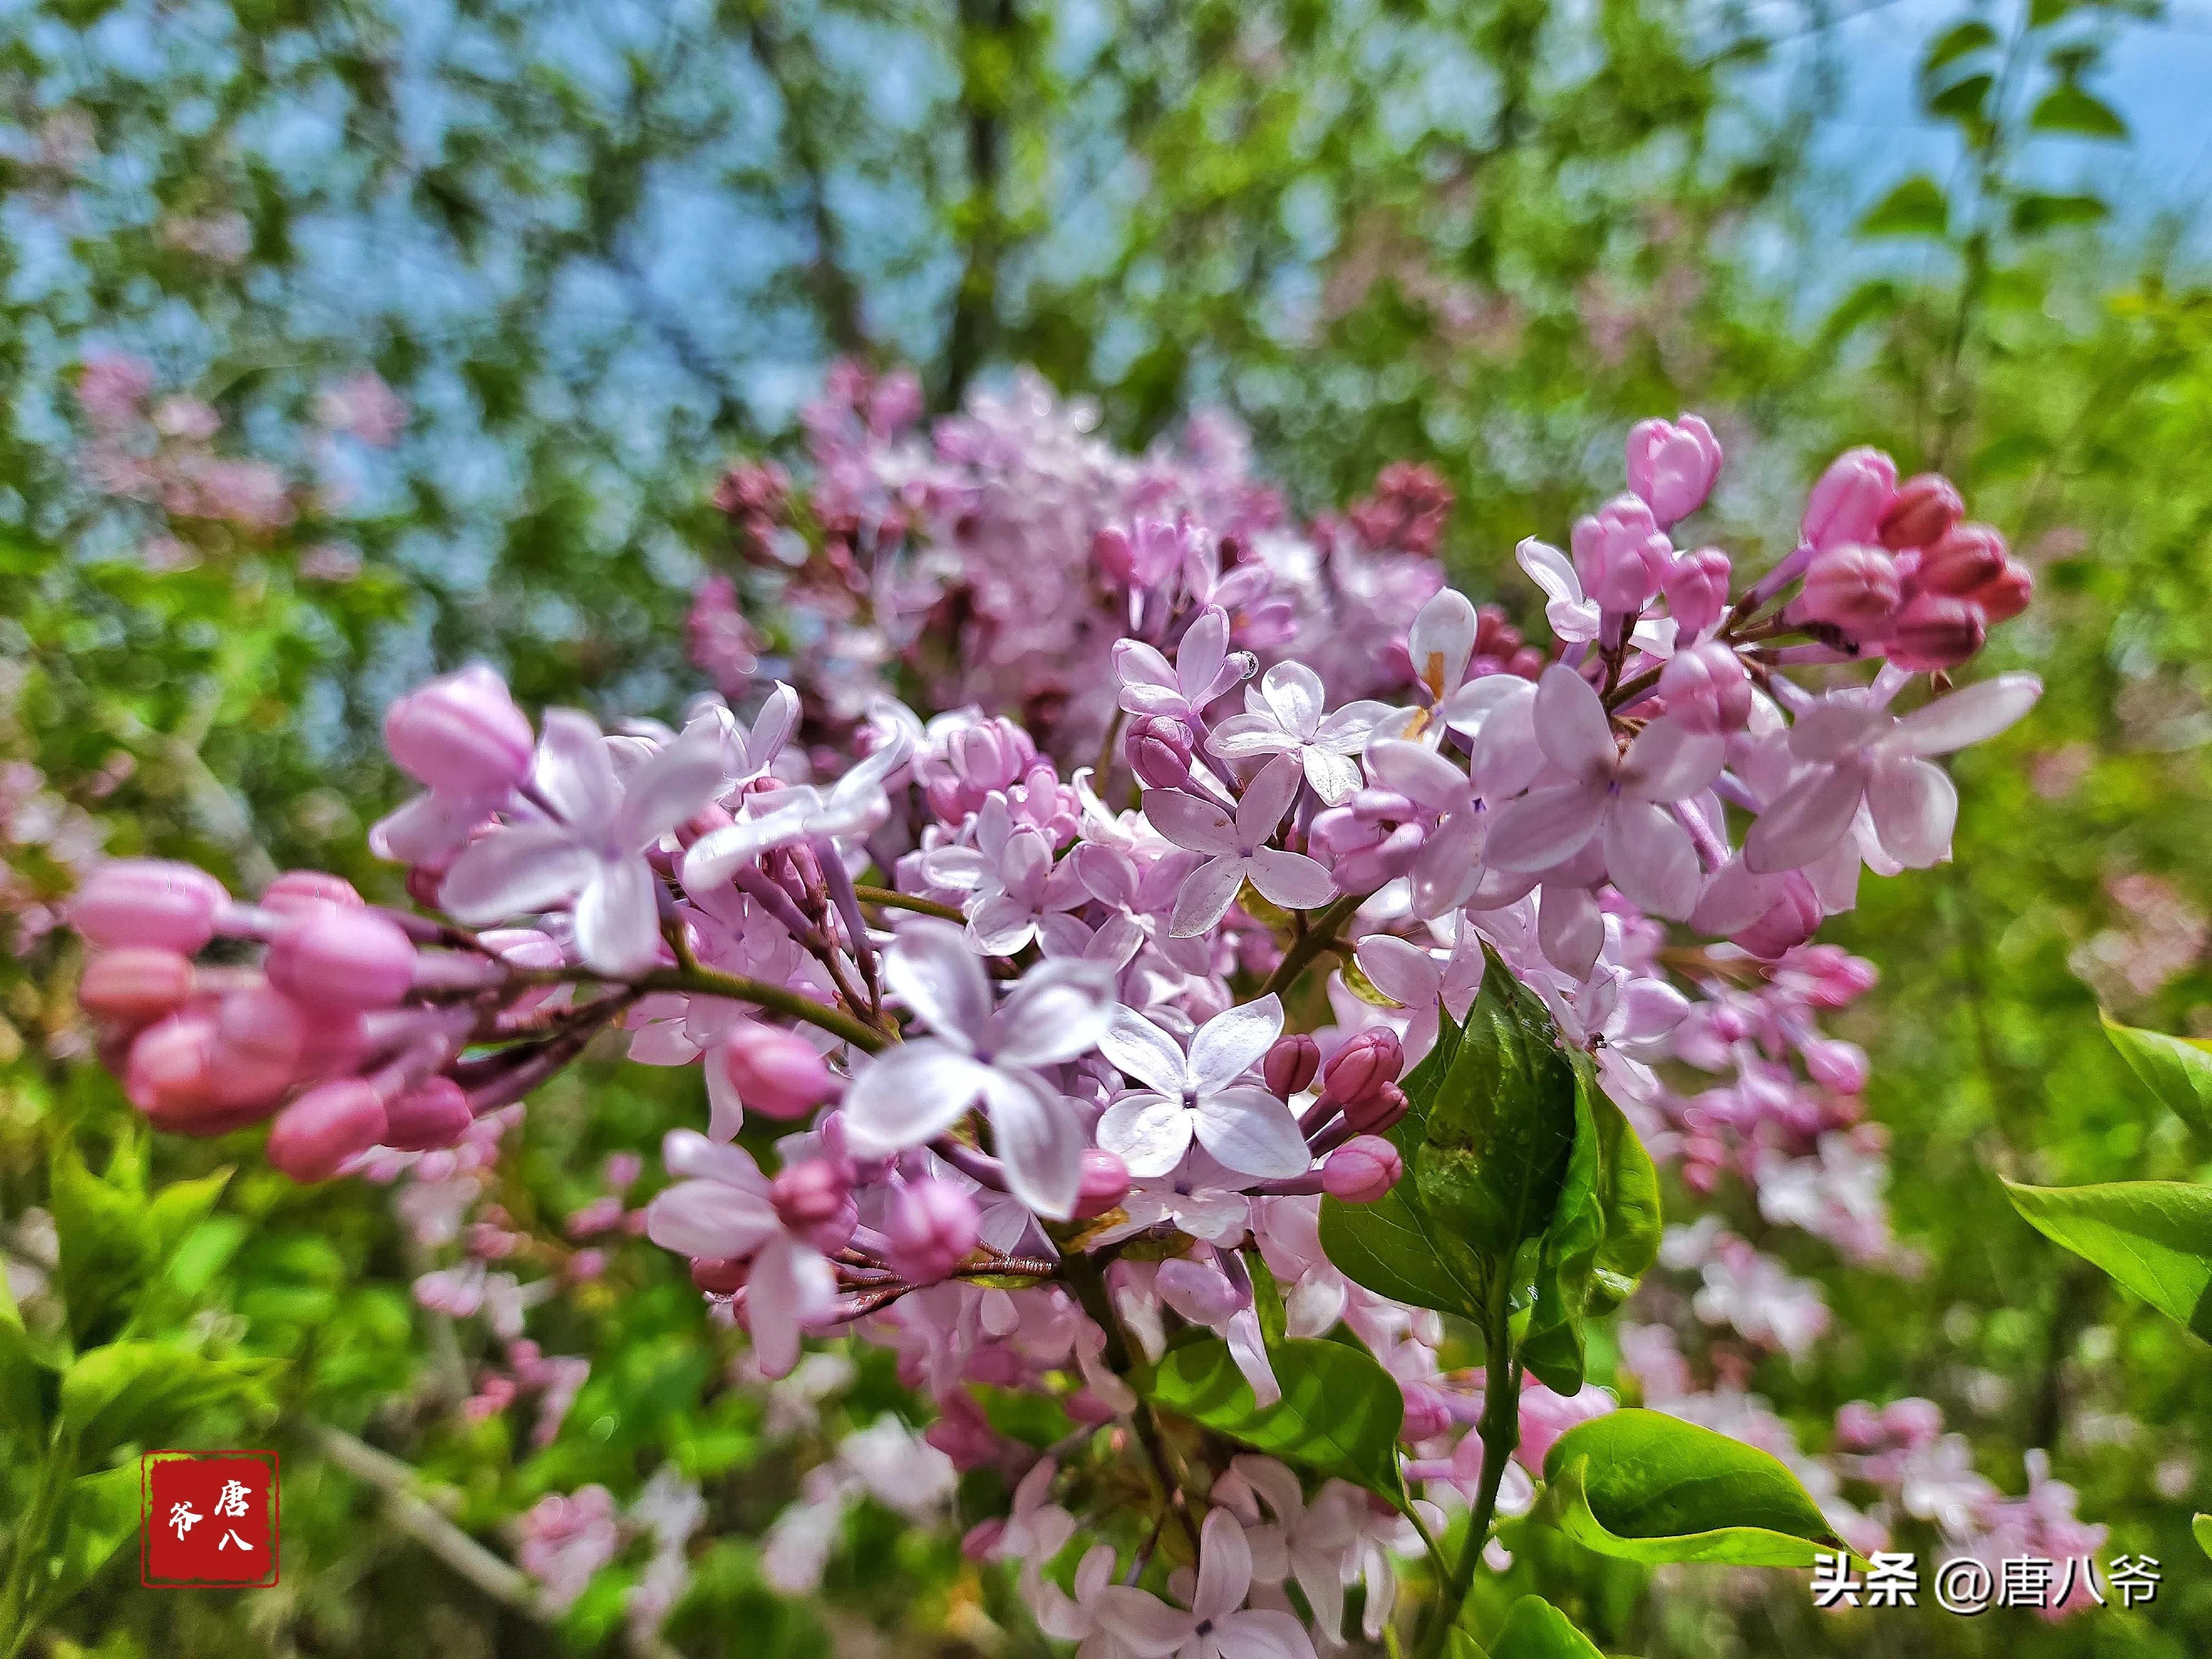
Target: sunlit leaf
x: 1340, y: 1414
x: 2155, y: 1237
x: 1916, y: 208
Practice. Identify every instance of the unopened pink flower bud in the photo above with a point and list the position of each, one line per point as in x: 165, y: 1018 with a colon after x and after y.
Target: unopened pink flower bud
x: 1367, y: 1061
x: 1105, y: 1184
x: 1292, y: 1065
x: 933, y: 1227
x: 1621, y: 555
x: 1160, y: 752
x: 776, y: 1072
x: 342, y: 959
x: 134, y: 987
x: 462, y: 733
x: 1426, y: 1417
x: 1372, y: 1114
x: 1962, y: 561
x: 1935, y: 631
x: 1923, y: 511
x: 1851, y: 587
x: 1361, y: 1169
x: 260, y: 1036
x: 720, y: 1278
x: 1707, y: 689
x: 1110, y: 548
x: 1697, y: 589
x: 813, y: 1198
x: 1672, y: 464
x: 1847, y: 503
x: 170, y: 1073
x: 1787, y: 921
x: 1837, y: 1065
x: 324, y: 1127
x: 432, y: 1114
x: 2006, y: 594
x: 297, y: 891
x: 149, y: 902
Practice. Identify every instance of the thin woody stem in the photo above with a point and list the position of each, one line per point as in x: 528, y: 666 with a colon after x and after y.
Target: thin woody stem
x: 713, y: 983
x: 1321, y: 936
x: 892, y: 899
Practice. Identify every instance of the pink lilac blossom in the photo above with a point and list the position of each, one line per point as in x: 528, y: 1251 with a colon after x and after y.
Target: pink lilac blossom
x: 1019, y: 1020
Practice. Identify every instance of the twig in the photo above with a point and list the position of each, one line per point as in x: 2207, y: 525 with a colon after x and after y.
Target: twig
x: 892, y: 899
x: 420, y: 1521
x: 1311, y: 943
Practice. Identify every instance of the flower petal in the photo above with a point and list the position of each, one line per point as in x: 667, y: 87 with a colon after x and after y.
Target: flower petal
x: 512, y: 872
x: 910, y: 1096
x: 1225, y: 1565
x: 1333, y: 777
x: 1972, y: 714
x: 709, y: 1220
x: 1145, y: 1052
x: 1205, y: 647
x: 1055, y: 1012
x: 1292, y: 879
x: 1251, y: 1132
x: 1243, y: 735
x: 934, y: 972
x: 1266, y: 800
x: 1441, y: 641
x: 1807, y: 818
x: 1294, y: 692
x: 1039, y: 1141
x: 1418, y: 772
x: 1232, y: 1041
x: 1651, y: 860
x: 1571, y: 726
x: 675, y: 782
x: 1570, y: 929
x: 574, y: 773
x: 1669, y: 762
x: 1148, y: 1133
x: 789, y: 1286
x: 617, y: 919
x: 1915, y: 807
x: 1544, y: 827
x: 1190, y: 821
x: 1401, y: 970
x: 1205, y: 895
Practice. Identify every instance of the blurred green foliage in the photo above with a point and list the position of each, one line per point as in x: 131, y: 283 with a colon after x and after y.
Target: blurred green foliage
x: 1486, y: 237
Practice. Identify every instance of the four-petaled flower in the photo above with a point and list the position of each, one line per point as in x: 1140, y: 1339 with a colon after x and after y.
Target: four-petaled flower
x: 1218, y: 1625
x: 1283, y: 716
x: 1205, y: 667
x: 1237, y: 848
x: 981, y: 1055
x: 1198, y: 1095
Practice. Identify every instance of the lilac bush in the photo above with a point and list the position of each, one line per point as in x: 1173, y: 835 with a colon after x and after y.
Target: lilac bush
x: 1251, y: 962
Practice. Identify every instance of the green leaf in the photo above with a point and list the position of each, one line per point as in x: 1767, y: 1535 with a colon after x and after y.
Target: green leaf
x: 99, y: 1514
x: 1963, y: 100
x: 1603, y: 1237
x: 1340, y: 1414
x: 2041, y: 14
x: 143, y: 1391
x: 1534, y: 1628
x: 1267, y: 1300
x: 1916, y: 208
x: 1501, y: 1133
x: 2201, y: 1528
x: 1644, y: 1487
x: 180, y: 1206
x: 1394, y: 1246
x: 2035, y: 212
x: 1951, y: 46
x: 22, y: 1417
x: 2070, y: 109
x: 2177, y: 1071
x: 108, y: 1244
x: 2155, y: 1237
x: 1024, y: 1415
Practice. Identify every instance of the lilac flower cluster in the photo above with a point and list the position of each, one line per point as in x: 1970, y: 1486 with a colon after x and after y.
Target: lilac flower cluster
x: 1046, y: 1102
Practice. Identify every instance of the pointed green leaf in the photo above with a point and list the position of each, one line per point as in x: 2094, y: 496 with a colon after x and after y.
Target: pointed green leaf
x: 1393, y: 1246
x: 2175, y: 1069
x: 182, y: 1206
x: 1644, y: 1487
x: 1340, y: 1414
x: 2070, y: 109
x: 1963, y: 101
x: 107, y: 1238
x: 2155, y: 1237
x: 1534, y: 1628
x: 1955, y: 44
x: 2035, y: 213
x: 1501, y: 1133
x: 143, y: 1391
x: 2201, y: 1528
x: 99, y: 1516
x: 1916, y: 208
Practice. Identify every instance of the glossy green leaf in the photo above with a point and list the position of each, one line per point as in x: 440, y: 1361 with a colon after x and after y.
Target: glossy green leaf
x: 1501, y: 1133
x: 1534, y: 1628
x: 1644, y: 1487
x: 1393, y: 1246
x: 180, y: 1206
x: 99, y: 1514
x: 1916, y: 208
x: 2071, y: 109
x: 2201, y: 1527
x: 1340, y: 1414
x: 2155, y: 1237
x: 2176, y: 1069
